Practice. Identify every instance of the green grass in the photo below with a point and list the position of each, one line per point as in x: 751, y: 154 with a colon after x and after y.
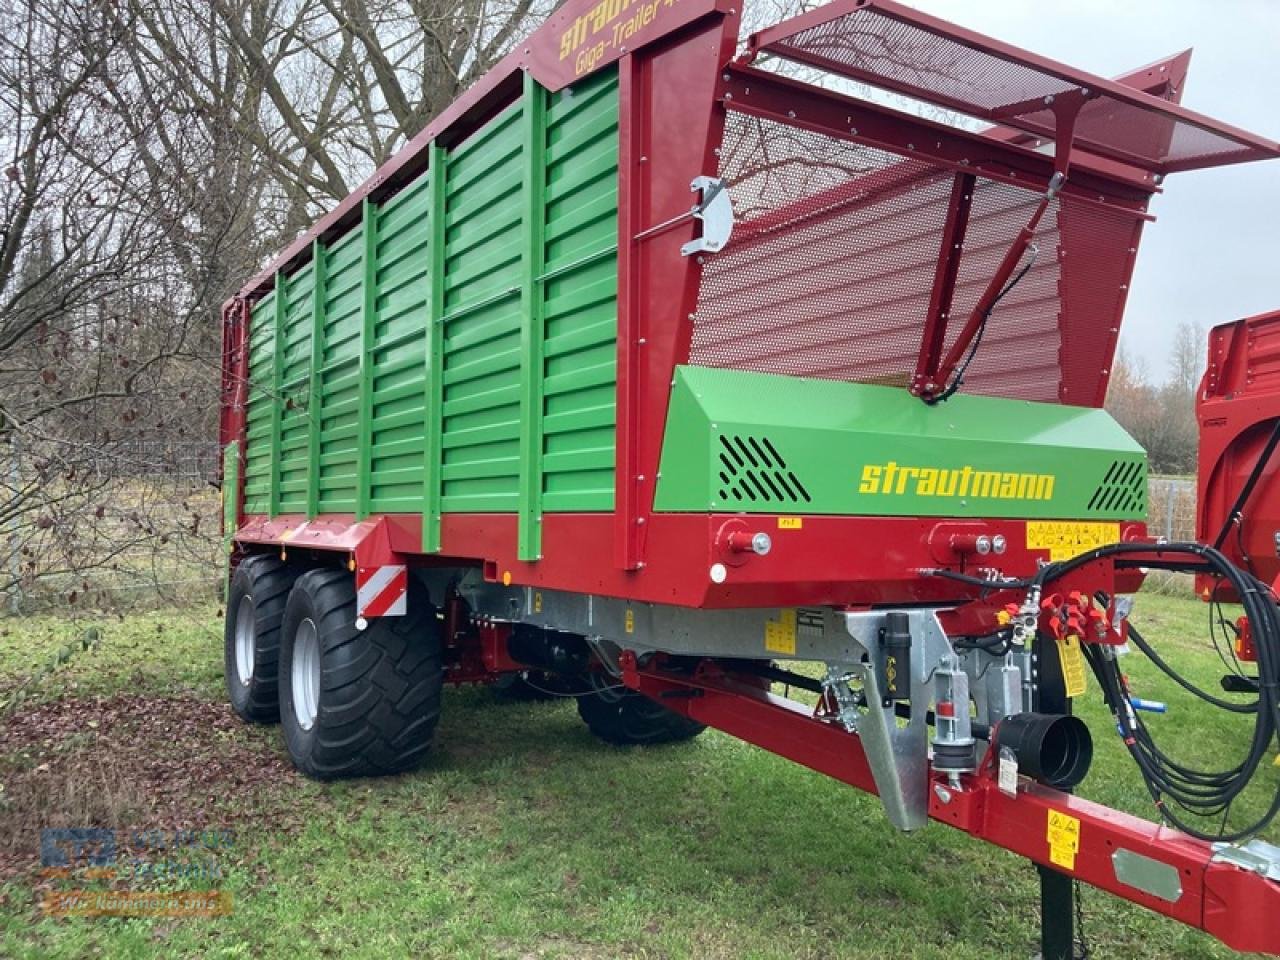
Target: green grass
x: 523, y: 837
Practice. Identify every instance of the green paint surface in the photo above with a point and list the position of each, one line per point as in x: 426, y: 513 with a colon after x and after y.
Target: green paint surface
x: 454, y: 352
x: 761, y: 443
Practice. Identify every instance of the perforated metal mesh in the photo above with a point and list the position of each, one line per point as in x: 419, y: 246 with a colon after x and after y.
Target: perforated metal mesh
x: 882, y: 49
x: 832, y: 262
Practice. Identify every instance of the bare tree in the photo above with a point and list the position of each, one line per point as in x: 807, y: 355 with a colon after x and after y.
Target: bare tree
x: 91, y: 309
x: 155, y: 153
x: 1161, y: 416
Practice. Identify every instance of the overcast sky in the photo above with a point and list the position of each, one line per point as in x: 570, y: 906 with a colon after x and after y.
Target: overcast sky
x: 1213, y: 253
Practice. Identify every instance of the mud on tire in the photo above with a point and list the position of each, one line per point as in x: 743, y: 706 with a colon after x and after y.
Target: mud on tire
x: 357, y: 702
x: 255, y: 609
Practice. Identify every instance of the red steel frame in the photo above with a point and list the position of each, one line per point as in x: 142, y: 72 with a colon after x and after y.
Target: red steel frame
x: 1237, y: 407
x: 1233, y: 905
x: 681, y: 66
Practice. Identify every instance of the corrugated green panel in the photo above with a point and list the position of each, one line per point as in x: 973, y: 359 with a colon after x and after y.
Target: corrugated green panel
x: 402, y: 293
x: 339, y: 378
x: 482, y: 320
x: 519, y: 297
x: 295, y: 387
x: 433, y: 355
x: 257, y: 473
x: 580, y: 297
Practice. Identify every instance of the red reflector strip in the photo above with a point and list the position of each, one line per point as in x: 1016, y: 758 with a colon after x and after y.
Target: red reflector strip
x: 382, y: 591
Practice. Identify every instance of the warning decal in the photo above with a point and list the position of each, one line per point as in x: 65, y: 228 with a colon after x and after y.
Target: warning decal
x: 1063, y: 834
x: 780, y: 634
x: 1065, y: 540
x: 1073, y: 670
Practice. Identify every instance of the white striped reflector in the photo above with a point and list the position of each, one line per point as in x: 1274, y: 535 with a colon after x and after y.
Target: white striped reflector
x: 382, y: 591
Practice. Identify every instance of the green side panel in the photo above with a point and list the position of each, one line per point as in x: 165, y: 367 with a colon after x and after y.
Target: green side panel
x: 293, y: 473
x: 482, y: 319
x: 402, y: 308
x: 257, y: 471
x: 532, y: 306
x: 761, y: 443
x: 580, y: 287
x: 340, y: 373
x: 455, y: 350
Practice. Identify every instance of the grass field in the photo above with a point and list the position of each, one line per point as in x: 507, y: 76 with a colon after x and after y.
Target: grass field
x: 522, y: 837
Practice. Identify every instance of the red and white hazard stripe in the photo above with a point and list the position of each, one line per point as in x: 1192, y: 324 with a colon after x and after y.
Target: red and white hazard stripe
x: 382, y: 591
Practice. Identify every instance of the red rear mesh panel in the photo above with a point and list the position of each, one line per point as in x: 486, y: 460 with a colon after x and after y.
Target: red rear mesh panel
x: 831, y: 264
x: 877, y: 48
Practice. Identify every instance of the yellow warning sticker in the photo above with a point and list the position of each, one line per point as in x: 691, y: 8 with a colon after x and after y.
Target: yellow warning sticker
x: 1065, y: 540
x: 537, y: 603
x: 791, y: 523
x: 629, y: 621
x: 1063, y: 834
x: 780, y: 634
x: 1073, y: 671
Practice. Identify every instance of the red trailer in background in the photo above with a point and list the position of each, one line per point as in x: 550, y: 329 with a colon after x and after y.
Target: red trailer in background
x: 1237, y: 498
x: 654, y: 366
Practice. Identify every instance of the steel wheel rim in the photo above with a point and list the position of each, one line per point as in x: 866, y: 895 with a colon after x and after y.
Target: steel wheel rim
x: 305, y: 674
x: 244, y: 640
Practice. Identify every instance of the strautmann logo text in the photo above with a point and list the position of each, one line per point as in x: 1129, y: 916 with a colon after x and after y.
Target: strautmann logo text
x: 894, y: 478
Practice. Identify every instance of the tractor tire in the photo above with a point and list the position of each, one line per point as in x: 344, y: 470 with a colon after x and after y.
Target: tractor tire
x: 255, y: 609
x: 626, y: 718
x: 354, y: 702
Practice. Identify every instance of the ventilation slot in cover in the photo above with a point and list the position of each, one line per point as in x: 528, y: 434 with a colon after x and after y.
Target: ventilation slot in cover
x: 753, y: 471
x: 1123, y: 489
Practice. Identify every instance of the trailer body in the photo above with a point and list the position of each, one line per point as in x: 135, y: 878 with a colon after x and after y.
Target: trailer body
x: 493, y: 347
x: 648, y: 360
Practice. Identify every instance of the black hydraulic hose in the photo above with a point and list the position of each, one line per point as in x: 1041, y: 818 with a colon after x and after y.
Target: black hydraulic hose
x: 1201, y: 793
x: 1237, y: 508
x: 1168, y: 671
x: 958, y: 377
x: 1011, y: 584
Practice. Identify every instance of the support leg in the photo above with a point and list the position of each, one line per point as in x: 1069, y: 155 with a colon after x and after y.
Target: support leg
x: 1057, y: 916
x: 1057, y: 890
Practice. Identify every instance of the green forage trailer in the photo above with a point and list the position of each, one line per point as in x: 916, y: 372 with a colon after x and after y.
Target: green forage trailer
x: 653, y: 367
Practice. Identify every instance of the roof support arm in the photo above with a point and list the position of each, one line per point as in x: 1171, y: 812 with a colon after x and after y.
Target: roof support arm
x: 1066, y: 107
x: 944, y: 284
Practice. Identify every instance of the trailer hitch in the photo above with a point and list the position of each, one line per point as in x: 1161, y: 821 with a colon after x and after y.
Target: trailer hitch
x: 899, y: 755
